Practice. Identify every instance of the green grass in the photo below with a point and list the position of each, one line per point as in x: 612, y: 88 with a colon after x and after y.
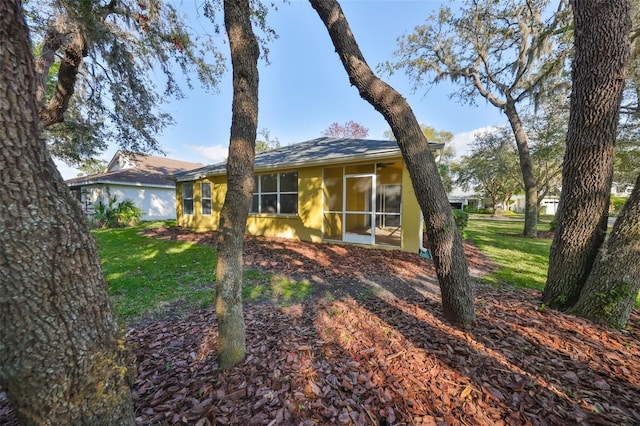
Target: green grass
x: 146, y: 275
x: 262, y: 286
x: 522, y: 262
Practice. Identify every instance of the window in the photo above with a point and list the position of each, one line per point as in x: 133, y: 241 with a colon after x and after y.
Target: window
x: 275, y: 193
x: 187, y: 198
x: 205, y: 198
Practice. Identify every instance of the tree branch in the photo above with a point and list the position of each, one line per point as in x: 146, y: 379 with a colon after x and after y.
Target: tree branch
x: 53, y: 40
x: 74, y: 53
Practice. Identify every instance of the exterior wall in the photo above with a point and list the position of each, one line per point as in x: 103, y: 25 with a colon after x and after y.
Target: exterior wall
x: 156, y: 203
x: 548, y: 205
x: 307, y: 225
x: 411, y: 215
x: 197, y: 221
x: 621, y: 190
x: 461, y: 199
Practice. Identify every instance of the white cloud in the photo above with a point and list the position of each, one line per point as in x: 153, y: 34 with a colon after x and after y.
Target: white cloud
x: 462, y: 141
x: 210, y: 154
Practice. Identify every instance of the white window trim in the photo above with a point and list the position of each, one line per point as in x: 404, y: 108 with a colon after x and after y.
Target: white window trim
x: 278, y: 193
x: 202, y: 198
x: 184, y: 199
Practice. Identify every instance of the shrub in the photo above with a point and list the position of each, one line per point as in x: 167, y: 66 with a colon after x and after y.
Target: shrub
x: 461, y: 218
x: 553, y: 224
x: 477, y: 210
x: 116, y: 214
x: 616, y: 204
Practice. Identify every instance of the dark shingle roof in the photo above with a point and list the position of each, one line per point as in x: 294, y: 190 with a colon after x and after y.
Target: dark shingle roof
x: 317, y: 151
x: 148, y: 170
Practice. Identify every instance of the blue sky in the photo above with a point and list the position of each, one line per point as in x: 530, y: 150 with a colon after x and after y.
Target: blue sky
x: 305, y: 88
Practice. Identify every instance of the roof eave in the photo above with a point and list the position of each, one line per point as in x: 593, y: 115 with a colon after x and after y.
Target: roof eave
x: 114, y: 182
x: 386, y: 155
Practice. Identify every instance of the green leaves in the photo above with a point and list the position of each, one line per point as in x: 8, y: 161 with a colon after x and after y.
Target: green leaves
x: 497, y: 50
x: 131, y: 48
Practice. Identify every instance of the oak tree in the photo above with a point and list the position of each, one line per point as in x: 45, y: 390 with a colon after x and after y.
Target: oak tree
x: 61, y: 361
x: 233, y: 216
x: 444, y: 239
x: 609, y: 293
x: 265, y: 143
x: 511, y: 53
x: 602, y: 54
x: 490, y: 168
x: 94, y: 66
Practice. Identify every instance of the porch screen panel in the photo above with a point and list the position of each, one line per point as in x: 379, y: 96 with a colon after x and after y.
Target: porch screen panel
x: 388, y: 202
x: 388, y: 214
x: 333, y: 226
x: 359, y: 169
x: 333, y: 189
x: 333, y: 195
x: 359, y: 208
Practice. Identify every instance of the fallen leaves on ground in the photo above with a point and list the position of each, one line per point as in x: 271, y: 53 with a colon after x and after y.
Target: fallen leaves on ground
x: 391, y: 361
x: 379, y: 359
x: 338, y: 269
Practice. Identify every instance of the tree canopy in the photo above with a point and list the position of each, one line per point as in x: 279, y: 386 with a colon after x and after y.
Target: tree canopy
x: 491, y: 169
x: 95, y: 62
x: 447, y: 155
x: 350, y: 129
x: 511, y: 53
x: 265, y: 143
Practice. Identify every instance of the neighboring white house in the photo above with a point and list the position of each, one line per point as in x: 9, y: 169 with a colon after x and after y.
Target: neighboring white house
x: 464, y: 200
x: 140, y: 178
x: 618, y: 190
x: 548, y: 205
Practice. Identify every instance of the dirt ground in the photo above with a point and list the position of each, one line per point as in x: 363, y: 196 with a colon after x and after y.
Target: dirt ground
x: 372, y: 347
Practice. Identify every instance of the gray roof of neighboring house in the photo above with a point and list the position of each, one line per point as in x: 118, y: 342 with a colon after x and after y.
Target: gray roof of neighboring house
x: 148, y: 171
x: 317, y: 151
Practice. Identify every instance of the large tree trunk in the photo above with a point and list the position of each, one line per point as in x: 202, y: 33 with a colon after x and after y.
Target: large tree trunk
x: 444, y: 239
x: 601, y: 29
x: 233, y: 217
x: 60, y: 359
x: 610, y: 292
x: 526, y: 167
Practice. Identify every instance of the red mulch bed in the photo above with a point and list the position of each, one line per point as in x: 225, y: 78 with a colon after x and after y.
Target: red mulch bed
x: 338, y: 269
x: 383, y: 357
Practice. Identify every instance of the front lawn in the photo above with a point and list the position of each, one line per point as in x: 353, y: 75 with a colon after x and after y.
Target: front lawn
x: 522, y: 262
x: 144, y: 275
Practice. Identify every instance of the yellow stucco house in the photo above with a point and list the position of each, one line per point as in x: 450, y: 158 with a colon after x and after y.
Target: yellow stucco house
x: 327, y: 189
